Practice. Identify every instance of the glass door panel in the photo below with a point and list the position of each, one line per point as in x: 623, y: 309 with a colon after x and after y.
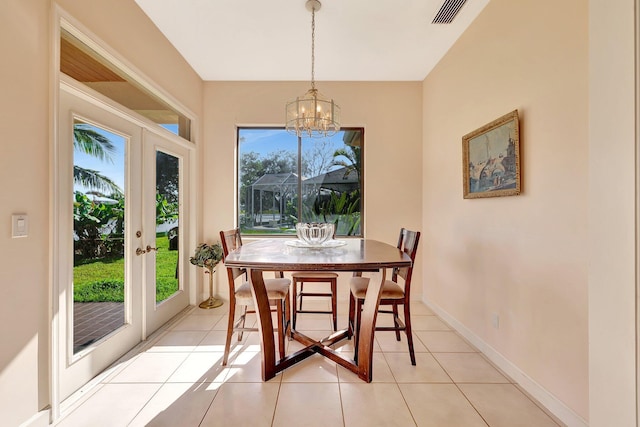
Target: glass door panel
x: 99, y: 205
x: 167, y: 281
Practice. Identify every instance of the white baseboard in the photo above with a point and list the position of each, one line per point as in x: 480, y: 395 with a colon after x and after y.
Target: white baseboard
x: 41, y: 419
x: 543, y: 396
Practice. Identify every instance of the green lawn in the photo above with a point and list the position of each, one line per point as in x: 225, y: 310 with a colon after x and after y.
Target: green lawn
x: 103, y: 280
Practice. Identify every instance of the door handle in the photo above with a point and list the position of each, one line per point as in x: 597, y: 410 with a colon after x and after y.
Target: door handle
x: 141, y: 251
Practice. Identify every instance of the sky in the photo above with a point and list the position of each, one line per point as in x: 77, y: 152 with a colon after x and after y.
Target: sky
x: 264, y: 141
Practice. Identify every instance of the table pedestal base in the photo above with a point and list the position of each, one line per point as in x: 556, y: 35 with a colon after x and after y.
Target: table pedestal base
x: 361, y: 367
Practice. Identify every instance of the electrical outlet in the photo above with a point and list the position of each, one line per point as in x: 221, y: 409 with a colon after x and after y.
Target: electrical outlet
x: 495, y: 320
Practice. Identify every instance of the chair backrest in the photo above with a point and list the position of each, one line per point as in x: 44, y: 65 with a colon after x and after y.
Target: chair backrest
x: 231, y: 240
x: 408, y: 243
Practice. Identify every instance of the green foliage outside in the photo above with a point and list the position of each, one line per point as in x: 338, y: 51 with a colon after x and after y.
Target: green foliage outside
x: 89, y: 284
x: 98, y: 228
x: 343, y: 210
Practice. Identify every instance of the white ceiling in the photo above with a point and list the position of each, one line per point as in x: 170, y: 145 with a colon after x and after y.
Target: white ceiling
x: 356, y: 40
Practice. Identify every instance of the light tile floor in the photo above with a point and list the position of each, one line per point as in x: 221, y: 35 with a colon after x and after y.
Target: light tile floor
x: 177, y: 380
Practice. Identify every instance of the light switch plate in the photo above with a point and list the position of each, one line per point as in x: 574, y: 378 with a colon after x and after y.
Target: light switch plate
x: 19, y: 225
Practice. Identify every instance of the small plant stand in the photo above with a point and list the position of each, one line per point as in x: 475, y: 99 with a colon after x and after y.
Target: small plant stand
x: 211, y: 302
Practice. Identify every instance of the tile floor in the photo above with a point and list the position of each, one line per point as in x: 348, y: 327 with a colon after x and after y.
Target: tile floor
x: 177, y: 380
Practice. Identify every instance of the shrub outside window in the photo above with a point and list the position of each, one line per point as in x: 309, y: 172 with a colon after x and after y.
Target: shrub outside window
x: 284, y: 179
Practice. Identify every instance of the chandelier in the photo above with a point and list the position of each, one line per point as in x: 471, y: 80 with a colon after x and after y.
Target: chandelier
x: 312, y: 114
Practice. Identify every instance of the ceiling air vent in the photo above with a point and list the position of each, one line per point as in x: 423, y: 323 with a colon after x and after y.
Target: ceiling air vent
x: 448, y: 11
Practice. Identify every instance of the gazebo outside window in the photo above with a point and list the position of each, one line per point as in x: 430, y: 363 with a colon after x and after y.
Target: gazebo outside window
x: 268, y: 200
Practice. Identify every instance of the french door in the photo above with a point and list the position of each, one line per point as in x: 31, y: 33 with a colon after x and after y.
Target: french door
x: 121, y: 262
x: 165, y: 165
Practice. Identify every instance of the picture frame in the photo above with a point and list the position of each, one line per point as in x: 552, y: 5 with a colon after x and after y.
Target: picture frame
x: 491, y: 159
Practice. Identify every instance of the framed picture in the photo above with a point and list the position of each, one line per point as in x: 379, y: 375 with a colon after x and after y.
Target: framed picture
x: 491, y: 159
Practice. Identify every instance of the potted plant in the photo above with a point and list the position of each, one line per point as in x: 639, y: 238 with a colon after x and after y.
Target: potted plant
x: 208, y: 256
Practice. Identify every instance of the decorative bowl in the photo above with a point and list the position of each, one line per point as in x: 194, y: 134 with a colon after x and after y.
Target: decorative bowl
x: 314, y: 233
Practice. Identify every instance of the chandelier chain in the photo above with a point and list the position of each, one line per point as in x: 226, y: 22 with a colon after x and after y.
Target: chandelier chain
x: 313, y: 46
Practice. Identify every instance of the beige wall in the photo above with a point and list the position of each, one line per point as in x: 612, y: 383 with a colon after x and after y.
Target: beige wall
x: 389, y: 112
x: 25, y: 43
x: 24, y: 153
x: 613, y: 197
x: 524, y: 257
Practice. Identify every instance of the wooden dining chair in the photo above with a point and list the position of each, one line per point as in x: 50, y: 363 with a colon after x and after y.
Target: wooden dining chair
x: 302, y: 277
x: 393, y: 294
x: 277, y: 291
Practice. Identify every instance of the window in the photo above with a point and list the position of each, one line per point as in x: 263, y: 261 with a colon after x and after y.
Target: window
x: 283, y: 179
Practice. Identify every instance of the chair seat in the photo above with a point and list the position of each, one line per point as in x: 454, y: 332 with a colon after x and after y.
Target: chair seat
x: 390, y: 289
x: 276, y: 289
x: 313, y: 275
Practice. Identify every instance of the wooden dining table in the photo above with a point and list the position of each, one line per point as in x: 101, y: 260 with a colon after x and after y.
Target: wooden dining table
x: 348, y: 255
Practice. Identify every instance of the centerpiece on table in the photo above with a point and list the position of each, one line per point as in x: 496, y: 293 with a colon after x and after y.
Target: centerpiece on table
x: 208, y: 256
